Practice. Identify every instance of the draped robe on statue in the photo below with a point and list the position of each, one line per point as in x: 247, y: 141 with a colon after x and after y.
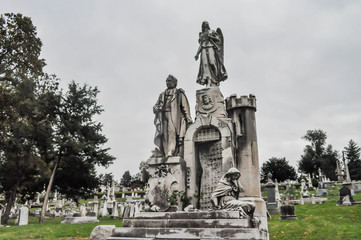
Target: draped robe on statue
x: 171, y: 117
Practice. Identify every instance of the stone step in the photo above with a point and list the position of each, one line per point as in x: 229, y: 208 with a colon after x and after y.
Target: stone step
x: 188, y: 215
x: 188, y: 233
x: 188, y: 223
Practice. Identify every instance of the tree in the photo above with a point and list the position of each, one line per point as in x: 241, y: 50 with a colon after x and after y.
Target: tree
x: 279, y: 168
x: 353, y: 160
x: 126, y: 179
x: 318, y: 155
x: 21, y: 72
x: 79, y: 142
x: 106, y: 179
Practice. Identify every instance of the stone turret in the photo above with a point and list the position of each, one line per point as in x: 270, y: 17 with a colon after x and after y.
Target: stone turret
x: 242, y: 112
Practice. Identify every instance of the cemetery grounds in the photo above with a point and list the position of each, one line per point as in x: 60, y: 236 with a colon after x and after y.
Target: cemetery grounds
x: 319, y: 221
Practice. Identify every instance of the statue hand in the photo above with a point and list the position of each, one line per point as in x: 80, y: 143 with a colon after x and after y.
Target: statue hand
x: 196, y: 57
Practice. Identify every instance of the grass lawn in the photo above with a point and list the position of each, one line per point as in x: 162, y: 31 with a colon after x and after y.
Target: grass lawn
x: 325, y: 221
x: 53, y: 229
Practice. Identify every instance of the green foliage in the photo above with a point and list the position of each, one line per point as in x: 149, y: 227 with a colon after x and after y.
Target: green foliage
x: 279, y: 168
x: 106, y: 179
x: 318, y: 155
x: 79, y: 140
x: 39, y: 125
x: 25, y: 111
x: 126, y: 179
x: 353, y: 160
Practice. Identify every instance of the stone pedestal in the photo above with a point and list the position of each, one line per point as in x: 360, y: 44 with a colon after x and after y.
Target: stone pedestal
x: 189, y: 225
x: 168, y: 176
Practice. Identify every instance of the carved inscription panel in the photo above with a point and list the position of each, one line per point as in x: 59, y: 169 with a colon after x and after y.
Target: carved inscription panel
x: 210, y: 157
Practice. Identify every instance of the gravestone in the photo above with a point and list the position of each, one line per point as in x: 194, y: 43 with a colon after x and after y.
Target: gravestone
x: 115, y: 213
x: 288, y: 212
x: 272, y: 204
x: 346, y: 191
x: 24, y: 216
x: 82, y: 210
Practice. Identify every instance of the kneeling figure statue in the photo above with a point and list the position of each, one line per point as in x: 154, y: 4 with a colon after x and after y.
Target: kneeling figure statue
x: 226, y: 194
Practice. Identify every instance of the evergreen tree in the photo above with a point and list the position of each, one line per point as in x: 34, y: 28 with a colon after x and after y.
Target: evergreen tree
x: 279, y: 168
x: 318, y: 155
x: 126, y: 179
x: 21, y: 72
x: 353, y: 160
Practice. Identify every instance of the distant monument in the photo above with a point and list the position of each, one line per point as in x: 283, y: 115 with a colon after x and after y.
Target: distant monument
x: 204, y: 175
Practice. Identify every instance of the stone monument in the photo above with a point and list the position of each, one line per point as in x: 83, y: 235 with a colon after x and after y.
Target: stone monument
x: 273, y: 205
x: 205, y: 181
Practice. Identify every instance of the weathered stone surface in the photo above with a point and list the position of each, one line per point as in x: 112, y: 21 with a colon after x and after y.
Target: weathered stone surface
x: 210, y: 102
x: 189, y: 223
x: 101, y: 232
x: 189, y: 215
x: 188, y: 233
x: 167, y: 176
x: 79, y: 220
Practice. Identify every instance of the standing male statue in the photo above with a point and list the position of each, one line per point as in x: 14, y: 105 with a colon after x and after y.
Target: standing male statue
x: 172, y: 117
x: 211, y: 48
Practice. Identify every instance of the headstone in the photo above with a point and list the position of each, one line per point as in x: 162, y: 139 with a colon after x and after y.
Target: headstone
x: 313, y: 199
x: 288, y: 212
x: 82, y: 210
x: 131, y: 210
x: 301, y: 201
x: 346, y: 191
x: 24, y: 216
x: 115, y: 213
x: 104, y: 207
x: 310, y: 186
x: 346, y: 201
x: 272, y: 204
x: 121, y: 210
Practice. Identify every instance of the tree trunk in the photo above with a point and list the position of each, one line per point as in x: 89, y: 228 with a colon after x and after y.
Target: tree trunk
x: 46, y: 199
x: 10, y: 199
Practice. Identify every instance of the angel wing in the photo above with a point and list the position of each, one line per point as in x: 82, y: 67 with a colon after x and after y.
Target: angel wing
x: 221, y: 44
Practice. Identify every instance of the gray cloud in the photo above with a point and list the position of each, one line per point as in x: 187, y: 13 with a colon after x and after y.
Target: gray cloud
x: 300, y: 58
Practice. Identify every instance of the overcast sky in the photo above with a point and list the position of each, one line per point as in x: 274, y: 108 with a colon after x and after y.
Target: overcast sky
x: 302, y: 60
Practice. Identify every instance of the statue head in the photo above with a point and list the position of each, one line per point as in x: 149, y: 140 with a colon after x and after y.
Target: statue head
x: 205, y: 26
x: 171, y: 82
x: 232, y: 174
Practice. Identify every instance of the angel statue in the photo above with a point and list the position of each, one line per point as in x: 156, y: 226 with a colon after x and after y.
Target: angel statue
x: 211, y: 68
x: 226, y: 194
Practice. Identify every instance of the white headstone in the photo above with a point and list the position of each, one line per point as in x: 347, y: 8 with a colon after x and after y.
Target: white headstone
x: 313, y: 199
x: 115, y: 213
x: 82, y: 210
x: 346, y: 201
x: 24, y: 216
